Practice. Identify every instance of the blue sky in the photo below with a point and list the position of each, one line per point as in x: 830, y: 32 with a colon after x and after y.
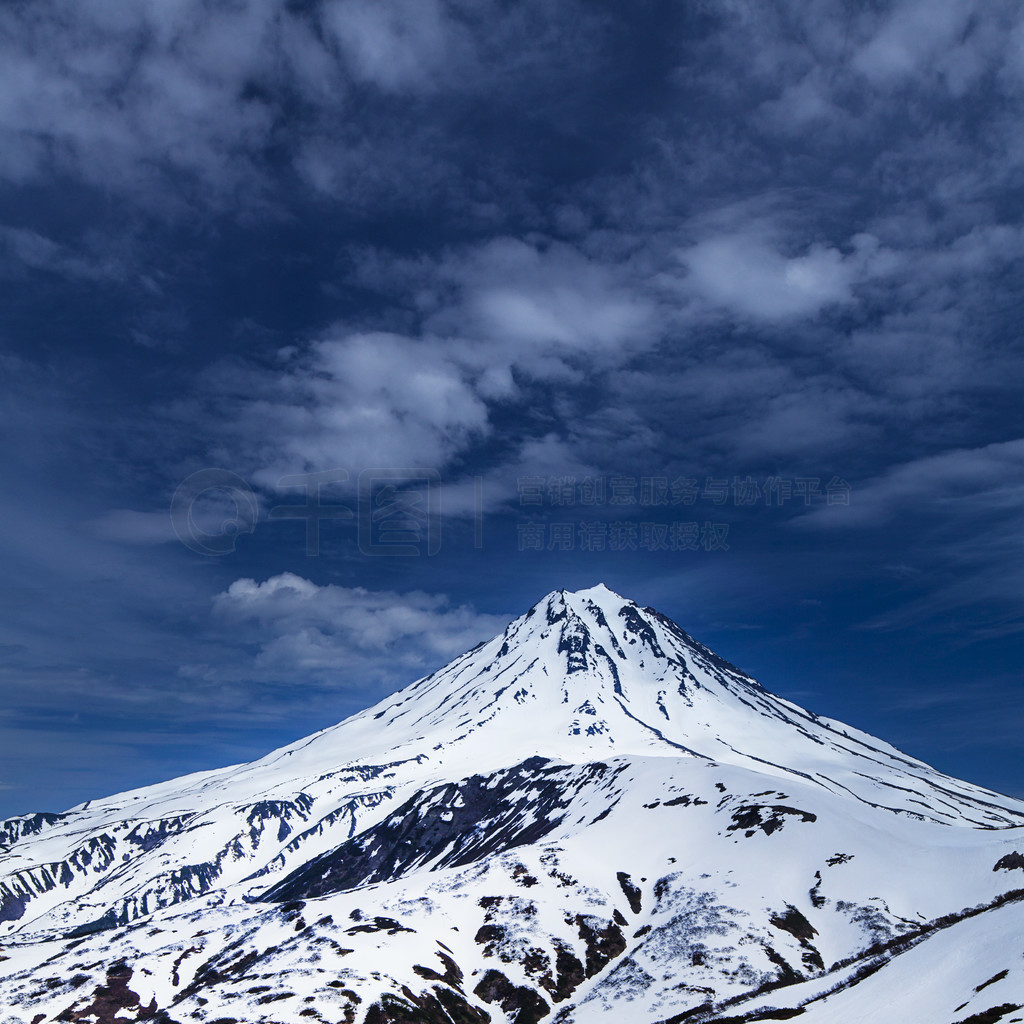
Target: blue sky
x: 717, y: 303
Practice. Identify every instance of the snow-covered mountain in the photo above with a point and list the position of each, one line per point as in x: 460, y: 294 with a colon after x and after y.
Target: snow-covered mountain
x: 590, y: 817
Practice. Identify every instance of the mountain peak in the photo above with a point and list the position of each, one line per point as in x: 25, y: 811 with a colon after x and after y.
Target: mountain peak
x: 585, y: 676
x: 589, y: 674
x: 584, y: 600
x: 597, y: 593
x: 585, y: 708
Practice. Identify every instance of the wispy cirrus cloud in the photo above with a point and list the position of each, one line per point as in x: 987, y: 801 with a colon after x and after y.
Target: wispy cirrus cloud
x: 989, y: 478
x: 22, y: 251
x: 951, y: 523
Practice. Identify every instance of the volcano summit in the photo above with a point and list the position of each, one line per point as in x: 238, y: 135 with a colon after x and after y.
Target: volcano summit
x: 589, y: 818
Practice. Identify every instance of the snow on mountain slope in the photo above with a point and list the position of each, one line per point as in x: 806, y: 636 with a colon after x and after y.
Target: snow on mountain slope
x: 590, y: 817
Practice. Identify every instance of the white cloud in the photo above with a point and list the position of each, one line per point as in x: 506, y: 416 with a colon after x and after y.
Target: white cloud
x: 350, y: 634
x: 108, y: 90
x: 499, y: 319
x: 803, y: 105
x: 398, y: 46
x: 545, y: 299
x: 921, y: 37
x: 352, y: 401
x: 745, y: 274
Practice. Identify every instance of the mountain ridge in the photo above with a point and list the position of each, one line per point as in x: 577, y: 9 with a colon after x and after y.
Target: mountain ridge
x: 588, y: 773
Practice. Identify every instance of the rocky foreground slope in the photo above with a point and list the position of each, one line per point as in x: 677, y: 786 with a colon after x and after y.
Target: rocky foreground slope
x: 589, y: 818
